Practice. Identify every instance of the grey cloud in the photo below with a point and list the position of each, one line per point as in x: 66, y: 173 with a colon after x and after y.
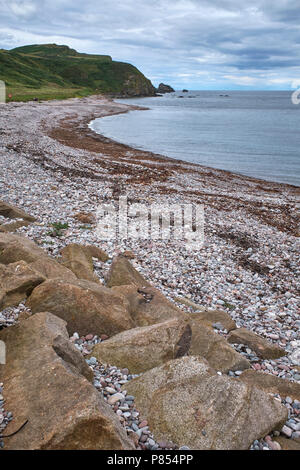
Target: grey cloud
x: 202, y: 40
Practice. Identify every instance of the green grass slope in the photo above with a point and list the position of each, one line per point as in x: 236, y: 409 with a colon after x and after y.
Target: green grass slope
x: 51, y: 71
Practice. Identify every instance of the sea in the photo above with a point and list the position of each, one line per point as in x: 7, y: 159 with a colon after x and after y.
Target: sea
x: 254, y: 133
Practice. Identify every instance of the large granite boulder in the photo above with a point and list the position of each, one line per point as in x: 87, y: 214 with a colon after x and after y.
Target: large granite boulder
x: 12, y: 212
x: 18, y: 216
x: 261, y: 346
x: 52, y: 269
x: 17, y: 281
x: 143, y: 348
x: 214, y: 348
x: 78, y: 259
x: 216, y: 317
x: 123, y: 273
x: 187, y: 402
x: 47, y: 382
x: 85, y: 306
x: 147, y: 305
x: 15, y: 248
x: 271, y: 384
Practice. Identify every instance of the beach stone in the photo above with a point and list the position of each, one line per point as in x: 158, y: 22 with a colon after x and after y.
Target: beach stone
x: 84, y: 305
x: 261, y: 346
x: 271, y: 384
x: 214, y: 348
x: 143, y: 348
x: 122, y: 273
x: 288, y: 444
x: 147, y: 305
x: 185, y: 397
x: 17, y: 281
x: 48, y: 382
x: 85, y: 217
x: 15, y: 248
x: 215, y: 316
x: 78, y: 259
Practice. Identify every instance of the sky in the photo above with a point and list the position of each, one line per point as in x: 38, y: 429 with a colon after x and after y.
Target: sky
x: 194, y: 44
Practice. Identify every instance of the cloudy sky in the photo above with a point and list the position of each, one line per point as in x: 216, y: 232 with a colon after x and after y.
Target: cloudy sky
x: 196, y: 44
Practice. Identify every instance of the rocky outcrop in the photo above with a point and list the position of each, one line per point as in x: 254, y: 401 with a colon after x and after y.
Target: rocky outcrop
x: 47, y: 382
x: 85, y: 306
x: 17, y: 281
x: 261, y: 346
x: 215, y: 349
x: 141, y: 349
x: 162, y: 88
x: 271, y: 384
x: 186, y: 402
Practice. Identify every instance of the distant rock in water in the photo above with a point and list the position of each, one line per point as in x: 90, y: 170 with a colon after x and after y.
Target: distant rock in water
x: 165, y: 88
x: 185, y: 91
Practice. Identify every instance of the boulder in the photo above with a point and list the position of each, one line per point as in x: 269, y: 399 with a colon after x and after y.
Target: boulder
x: 76, y: 258
x: 15, y: 248
x: 147, y: 305
x: 47, y: 382
x: 214, y: 348
x: 123, y: 273
x: 216, y: 316
x: 12, y: 212
x: 186, y: 402
x: 143, y: 348
x: 84, y: 305
x: 52, y: 269
x: 96, y: 252
x: 271, y: 384
x: 288, y: 444
x: 13, y: 226
x: 261, y: 346
x: 17, y: 281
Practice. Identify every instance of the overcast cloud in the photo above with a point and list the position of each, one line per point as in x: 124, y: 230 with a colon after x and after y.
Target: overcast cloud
x: 196, y: 44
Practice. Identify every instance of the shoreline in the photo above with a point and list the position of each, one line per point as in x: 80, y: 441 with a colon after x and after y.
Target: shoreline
x: 156, y: 156
x: 56, y: 169
x: 174, y: 160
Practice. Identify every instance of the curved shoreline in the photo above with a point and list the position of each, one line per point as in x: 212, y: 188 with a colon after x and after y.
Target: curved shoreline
x: 174, y: 159
x: 103, y: 140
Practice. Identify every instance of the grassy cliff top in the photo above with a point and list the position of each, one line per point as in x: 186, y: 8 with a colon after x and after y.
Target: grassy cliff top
x: 56, y: 71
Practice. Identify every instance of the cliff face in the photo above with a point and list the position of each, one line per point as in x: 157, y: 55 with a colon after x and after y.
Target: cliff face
x: 50, y: 70
x: 138, y: 85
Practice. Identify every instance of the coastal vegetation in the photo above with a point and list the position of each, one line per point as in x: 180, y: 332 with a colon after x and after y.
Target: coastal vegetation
x: 52, y: 71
